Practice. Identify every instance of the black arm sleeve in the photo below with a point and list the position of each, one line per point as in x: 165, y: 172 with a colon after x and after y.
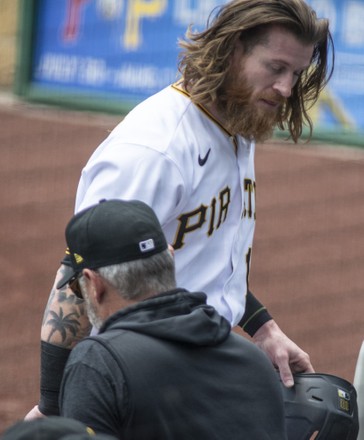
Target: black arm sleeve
x: 53, y: 360
x: 255, y: 315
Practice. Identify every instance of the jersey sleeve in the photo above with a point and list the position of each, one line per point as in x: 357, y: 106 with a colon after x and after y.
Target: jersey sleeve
x: 133, y: 172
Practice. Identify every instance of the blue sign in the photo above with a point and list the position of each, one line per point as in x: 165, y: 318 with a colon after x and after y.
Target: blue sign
x: 342, y: 103
x: 125, y: 47
x: 128, y: 49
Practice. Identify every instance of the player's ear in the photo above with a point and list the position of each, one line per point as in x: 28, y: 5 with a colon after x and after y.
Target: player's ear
x: 95, y: 284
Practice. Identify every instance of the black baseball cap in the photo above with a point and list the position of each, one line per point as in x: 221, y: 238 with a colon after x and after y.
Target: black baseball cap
x: 46, y: 428
x: 111, y: 232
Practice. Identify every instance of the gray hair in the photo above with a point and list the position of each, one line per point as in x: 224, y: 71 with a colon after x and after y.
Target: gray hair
x: 143, y: 277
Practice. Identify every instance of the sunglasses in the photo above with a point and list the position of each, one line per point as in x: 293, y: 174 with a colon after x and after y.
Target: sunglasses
x: 74, y: 285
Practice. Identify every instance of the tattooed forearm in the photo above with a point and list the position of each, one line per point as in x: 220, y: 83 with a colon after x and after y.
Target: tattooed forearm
x: 63, y: 323
x: 65, y: 320
x: 60, y: 296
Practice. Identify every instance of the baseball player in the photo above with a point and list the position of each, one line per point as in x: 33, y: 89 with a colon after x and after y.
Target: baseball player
x: 188, y: 152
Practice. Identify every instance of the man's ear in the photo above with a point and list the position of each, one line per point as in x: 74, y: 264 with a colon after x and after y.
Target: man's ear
x: 95, y: 284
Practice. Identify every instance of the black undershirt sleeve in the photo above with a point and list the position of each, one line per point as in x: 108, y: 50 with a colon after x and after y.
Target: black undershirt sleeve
x: 53, y: 361
x: 255, y: 315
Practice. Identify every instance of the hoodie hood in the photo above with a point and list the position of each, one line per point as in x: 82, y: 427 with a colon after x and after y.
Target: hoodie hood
x: 177, y: 315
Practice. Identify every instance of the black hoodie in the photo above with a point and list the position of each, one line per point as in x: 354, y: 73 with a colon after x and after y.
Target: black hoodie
x: 169, y: 367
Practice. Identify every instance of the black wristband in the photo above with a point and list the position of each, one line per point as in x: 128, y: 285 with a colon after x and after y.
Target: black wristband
x: 53, y: 359
x: 255, y: 315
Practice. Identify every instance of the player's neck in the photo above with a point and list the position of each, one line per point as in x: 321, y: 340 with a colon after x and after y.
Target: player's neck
x: 212, y: 109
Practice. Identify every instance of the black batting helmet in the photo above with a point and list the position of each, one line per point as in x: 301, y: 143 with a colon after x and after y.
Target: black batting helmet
x: 320, y: 407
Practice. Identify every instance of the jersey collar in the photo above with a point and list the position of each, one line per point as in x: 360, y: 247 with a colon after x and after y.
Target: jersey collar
x: 178, y: 86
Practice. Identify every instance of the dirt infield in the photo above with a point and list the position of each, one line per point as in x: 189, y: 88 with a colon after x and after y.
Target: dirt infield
x: 308, y: 260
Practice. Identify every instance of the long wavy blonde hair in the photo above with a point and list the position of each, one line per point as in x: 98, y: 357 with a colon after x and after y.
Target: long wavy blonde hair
x: 205, y: 56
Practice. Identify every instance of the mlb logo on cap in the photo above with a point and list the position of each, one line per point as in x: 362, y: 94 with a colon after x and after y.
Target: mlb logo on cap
x: 147, y: 245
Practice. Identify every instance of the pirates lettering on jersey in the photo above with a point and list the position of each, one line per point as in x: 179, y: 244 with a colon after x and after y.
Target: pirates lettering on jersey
x: 249, y: 199
x: 193, y: 220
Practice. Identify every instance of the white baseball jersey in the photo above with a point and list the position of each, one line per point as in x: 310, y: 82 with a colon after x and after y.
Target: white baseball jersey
x: 200, y: 181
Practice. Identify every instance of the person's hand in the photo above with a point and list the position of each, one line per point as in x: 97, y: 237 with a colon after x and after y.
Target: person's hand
x: 34, y: 413
x: 284, y: 353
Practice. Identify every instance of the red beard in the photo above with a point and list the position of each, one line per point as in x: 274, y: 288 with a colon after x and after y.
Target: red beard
x: 246, y: 115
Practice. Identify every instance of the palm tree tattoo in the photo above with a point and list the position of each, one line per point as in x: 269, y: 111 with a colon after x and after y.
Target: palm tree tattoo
x: 61, y: 323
